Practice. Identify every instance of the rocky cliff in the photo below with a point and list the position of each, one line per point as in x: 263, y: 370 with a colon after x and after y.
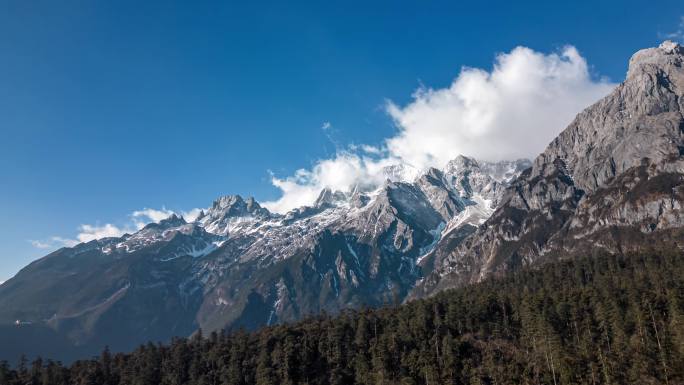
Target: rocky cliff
x: 611, y: 182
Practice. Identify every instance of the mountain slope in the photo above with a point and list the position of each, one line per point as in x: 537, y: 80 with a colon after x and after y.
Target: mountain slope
x: 610, y: 182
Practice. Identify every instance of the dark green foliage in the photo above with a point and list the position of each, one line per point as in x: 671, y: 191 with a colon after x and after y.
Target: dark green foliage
x: 605, y: 320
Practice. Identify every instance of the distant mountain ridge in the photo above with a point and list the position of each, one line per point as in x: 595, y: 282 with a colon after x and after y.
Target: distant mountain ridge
x: 239, y: 265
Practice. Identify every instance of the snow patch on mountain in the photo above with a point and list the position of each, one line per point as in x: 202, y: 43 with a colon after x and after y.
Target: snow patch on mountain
x: 475, y: 213
x: 465, y: 191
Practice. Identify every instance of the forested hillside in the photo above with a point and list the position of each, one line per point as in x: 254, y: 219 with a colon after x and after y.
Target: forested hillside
x: 598, y: 320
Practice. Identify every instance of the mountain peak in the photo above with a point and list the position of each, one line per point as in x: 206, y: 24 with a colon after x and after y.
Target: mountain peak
x: 461, y: 162
x: 171, y: 221
x: 234, y: 206
x: 670, y: 46
x: 667, y: 55
x: 328, y: 197
x: 227, y: 201
x: 639, y: 119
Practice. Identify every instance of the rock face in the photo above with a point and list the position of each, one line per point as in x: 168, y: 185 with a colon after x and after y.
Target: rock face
x: 610, y: 182
x: 239, y: 265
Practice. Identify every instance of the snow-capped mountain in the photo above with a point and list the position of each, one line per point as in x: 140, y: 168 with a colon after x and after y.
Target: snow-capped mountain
x: 239, y: 265
x: 611, y: 182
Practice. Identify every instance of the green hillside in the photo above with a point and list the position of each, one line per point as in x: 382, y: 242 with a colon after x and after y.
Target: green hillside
x: 599, y: 320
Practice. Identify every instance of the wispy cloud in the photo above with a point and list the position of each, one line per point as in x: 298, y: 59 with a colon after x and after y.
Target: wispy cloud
x: 677, y: 34
x: 86, y: 233
x: 331, y: 133
x: 40, y: 244
x: 510, y: 112
x: 91, y: 232
x: 53, y: 243
x: 136, y: 220
x: 141, y: 217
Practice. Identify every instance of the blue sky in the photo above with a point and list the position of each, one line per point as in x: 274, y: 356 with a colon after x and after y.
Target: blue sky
x: 111, y: 107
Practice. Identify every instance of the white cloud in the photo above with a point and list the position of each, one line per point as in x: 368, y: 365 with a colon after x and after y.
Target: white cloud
x: 86, y: 233
x: 366, y: 148
x: 89, y: 232
x: 513, y: 111
x: 145, y: 216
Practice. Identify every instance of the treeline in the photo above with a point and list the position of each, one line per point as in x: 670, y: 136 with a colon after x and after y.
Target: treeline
x: 604, y: 320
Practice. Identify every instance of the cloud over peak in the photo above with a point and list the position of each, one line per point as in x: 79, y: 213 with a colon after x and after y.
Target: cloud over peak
x: 510, y: 112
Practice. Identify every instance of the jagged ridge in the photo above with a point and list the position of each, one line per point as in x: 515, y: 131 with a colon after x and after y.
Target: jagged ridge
x: 239, y: 265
